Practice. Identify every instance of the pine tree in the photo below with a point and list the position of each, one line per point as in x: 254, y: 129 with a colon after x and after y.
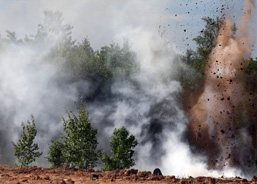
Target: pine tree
x: 26, y: 150
x: 78, y: 146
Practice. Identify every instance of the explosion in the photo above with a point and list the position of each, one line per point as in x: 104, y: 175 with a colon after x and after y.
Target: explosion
x: 215, y: 128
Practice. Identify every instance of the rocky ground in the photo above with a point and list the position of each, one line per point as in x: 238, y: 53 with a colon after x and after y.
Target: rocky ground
x: 11, y: 175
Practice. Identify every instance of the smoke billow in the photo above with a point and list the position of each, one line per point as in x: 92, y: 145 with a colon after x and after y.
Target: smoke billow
x: 29, y: 85
x: 145, y: 102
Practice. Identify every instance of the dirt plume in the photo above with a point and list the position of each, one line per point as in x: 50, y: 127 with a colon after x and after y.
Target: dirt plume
x: 214, y: 127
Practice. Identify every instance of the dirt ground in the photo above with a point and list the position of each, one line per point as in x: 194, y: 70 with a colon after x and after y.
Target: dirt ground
x: 11, y: 175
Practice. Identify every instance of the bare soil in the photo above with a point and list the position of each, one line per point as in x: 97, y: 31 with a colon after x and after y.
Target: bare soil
x: 38, y: 175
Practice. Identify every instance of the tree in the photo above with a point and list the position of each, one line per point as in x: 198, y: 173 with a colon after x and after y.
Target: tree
x: 53, y: 28
x: 207, y: 38
x: 78, y: 149
x: 55, y: 156
x: 205, y: 43
x: 25, y: 150
x: 121, y: 61
x: 122, y: 147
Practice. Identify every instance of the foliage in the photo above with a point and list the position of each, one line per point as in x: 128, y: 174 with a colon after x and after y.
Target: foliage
x: 205, y: 43
x: 192, y: 81
x: 55, y: 156
x: 120, y: 60
x: 207, y: 38
x: 99, y: 66
x: 80, y: 141
x: 251, y: 74
x: 25, y: 150
x: 248, y: 105
x: 78, y: 149
x: 122, y: 147
x: 77, y: 62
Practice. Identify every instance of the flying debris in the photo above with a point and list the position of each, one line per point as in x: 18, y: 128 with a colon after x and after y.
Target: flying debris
x: 229, y: 142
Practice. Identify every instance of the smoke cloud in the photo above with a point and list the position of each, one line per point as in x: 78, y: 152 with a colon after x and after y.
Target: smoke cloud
x: 32, y: 84
x: 29, y: 85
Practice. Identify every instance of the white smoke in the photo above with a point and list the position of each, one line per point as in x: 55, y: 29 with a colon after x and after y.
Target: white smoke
x: 29, y: 85
x: 159, y: 64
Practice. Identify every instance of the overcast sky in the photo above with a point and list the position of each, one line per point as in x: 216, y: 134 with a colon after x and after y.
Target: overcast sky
x: 102, y: 20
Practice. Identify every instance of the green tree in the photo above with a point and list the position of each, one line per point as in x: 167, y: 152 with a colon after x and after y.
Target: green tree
x: 192, y: 81
x: 122, y: 147
x: 26, y: 150
x: 55, y: 155
x: 205, y: 43
x: 121, y: 61
x: 207, y: 38
x: 78, y: 149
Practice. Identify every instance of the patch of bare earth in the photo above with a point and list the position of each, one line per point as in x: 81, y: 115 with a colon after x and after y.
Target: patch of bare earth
x: 11, y: 175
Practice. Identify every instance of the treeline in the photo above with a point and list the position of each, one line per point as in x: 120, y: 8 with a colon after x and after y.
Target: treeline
x: 77, y: 60
x: 80, y: 61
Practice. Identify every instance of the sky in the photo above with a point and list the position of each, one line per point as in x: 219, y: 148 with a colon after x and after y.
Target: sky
x: 103, y: 21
